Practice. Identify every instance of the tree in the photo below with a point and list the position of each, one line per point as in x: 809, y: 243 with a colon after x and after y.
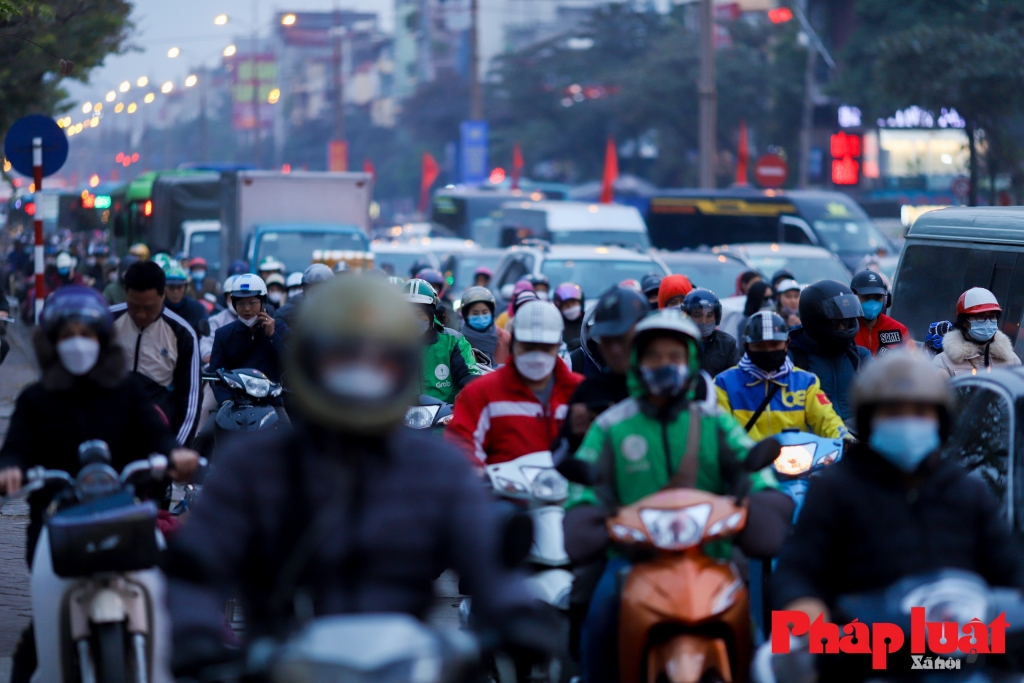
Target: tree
x: 82, y: 31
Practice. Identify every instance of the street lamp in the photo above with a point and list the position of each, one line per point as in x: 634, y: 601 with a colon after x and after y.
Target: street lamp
x: 191, y: 80
x: 173, y: 52
x: 98, y: 107
x: 142, y: 82
x: 230, y: 50
x: 111, y: 96
x: 124, y: 86
x: 220, y: 19
x: 149, y: 98
x: 167, y: 87
x: 87, y: 107
x: 132, y: 107
x: 119, y: 108
x: 288, y: 19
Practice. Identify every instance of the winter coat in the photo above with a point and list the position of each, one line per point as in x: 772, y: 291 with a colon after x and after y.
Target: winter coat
x: 887, y: 335
x: 217, y: 321
x: 194, y: 314
x: 400, y: 510
x: 961, y: 355
x: 720, y: 353
x: 493, y: 341
x: 498, y: 418
x: 240, y: 346
x: 834, y: 371
x: 447, y: 364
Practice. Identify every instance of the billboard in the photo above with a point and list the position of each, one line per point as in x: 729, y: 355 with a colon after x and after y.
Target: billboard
x: 248, y: 73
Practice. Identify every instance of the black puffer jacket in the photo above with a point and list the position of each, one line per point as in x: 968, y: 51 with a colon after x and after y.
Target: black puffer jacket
x: 721, y: 352
x: 864, y: 525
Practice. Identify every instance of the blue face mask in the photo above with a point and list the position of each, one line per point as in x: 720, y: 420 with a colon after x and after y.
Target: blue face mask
x: 983, y: 330
x: 198, y: 275
x: 904, y: 441
x: 871, y: 308
x: 480, y: 322
x: 63, y: 271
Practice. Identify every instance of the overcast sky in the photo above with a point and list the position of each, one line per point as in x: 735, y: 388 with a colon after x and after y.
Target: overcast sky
x: 188, y: 25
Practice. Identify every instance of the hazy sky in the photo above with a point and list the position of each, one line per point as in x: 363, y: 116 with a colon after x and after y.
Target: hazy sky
x: 188, y: 25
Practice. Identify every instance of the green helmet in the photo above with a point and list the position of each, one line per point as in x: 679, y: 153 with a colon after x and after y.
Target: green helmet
x: 420, y: 292
x: 164, y: 261
x: 175, y: 274
x: 353, y: 363
x: 667, y: 322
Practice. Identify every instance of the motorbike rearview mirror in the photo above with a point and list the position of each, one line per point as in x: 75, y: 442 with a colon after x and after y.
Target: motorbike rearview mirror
x: 762, y: 454
x: 93, y: 452
x: 578, y: 471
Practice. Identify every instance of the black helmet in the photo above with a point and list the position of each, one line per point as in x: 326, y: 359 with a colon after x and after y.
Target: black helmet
x: 781, y: 274
x: 651, y: 283
x: 829, y: 312
x: 868, y: 282
x: 616, y: 312
x: 537, y: 279
x: 416, y: 267
x: 765, y: 326
x: 701, y: 300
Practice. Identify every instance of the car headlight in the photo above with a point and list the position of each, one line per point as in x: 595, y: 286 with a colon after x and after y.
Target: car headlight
x: 420, y: 417
x: 795, y: 460
x: 725, y: 525
x: 549, y: 486
x: 256, y: 387
x: 628, y: 534
x: 676, y: 529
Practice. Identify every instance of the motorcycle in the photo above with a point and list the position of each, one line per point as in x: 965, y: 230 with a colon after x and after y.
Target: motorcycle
x: 947, y: 595
x: 96, y: 592
x: 431, y: 413
x: 249, y: 409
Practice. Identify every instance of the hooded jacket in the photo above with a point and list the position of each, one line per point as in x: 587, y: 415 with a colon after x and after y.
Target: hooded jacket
x: 961, y: 355
x: 673, y: 286
x: 835, y: 371
x: 720, y: 353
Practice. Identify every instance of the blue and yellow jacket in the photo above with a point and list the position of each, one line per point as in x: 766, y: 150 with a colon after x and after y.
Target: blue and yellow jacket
x: 798, y: 404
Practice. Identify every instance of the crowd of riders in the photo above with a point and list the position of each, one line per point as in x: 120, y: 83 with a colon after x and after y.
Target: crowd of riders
x: 647, y: 388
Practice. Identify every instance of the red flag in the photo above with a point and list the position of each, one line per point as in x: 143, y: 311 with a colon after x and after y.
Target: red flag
x: 742, y: 156
x: 517, y: 165
x: 430, y: 172
x: 368, y: 168
x: 611, y: 172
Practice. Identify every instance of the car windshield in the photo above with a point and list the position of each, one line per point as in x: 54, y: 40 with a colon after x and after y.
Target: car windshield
x: 718, y: 275
x: 207, y: 246
x: 807, y: 269
x: 842, y: 226
x: 466, y: 265
x: 399, y: 262
x: 625, y: 238
x: 594, y: 276
x: 295, y: 249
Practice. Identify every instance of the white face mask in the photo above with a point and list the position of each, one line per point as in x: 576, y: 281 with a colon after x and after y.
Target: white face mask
x: 78, y: 355
x: 359, y: 381
x: 535, y: 365
x: 542, y: 295
x: 250, y: 322
x: 572, y: 313
x: 275, y: 297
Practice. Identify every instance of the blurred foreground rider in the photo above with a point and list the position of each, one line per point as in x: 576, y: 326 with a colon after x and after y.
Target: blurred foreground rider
x: 350, y: 512
x: 892, y: 507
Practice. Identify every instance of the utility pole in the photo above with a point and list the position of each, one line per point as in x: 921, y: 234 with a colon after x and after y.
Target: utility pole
x: 708, y: 95
x: 339, y: 93
x: 257, y: 152
x: 203, y: 137
x: 807, y: 118
x: 476, y: 102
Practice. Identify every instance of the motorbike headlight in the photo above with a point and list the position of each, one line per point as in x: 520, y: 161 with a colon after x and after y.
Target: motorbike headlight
x: 676, y: 529
x: 508, y: 486
x: 256, y: 387
x: 627, y: 534
x: 420, y: 417
x: 548, y: 485
x: 725, y: 525
x: 795, y: 460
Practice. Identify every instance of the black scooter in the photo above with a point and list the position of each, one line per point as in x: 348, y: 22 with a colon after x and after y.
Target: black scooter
x: 249, y: 409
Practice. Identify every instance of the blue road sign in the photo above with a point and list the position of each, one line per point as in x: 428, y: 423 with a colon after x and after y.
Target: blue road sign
x: 18, y: 144
x: 473, y: 152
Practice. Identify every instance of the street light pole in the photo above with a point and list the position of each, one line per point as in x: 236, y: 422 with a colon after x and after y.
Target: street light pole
x: 257, y: 153
x: 708, y: 95
x: 203, y: 140
x: 476, y: 102
x: 339, y: 92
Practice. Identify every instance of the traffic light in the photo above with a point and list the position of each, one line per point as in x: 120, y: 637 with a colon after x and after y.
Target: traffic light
x: 780, y: 15
x: 846, y: 149
x: 147, y: 208
x: 102, y: 201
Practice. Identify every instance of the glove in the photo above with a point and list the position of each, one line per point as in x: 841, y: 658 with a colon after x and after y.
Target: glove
x: 936, y: 331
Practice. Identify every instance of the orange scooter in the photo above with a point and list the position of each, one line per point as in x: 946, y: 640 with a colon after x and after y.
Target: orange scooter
x: 685, y: 616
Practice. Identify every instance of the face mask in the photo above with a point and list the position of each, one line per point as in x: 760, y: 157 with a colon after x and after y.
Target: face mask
x: 78, y: 355
x: 275, y: 297
x: 983, y: 330
x: 480, y: 322
x: 63, y: 271
x: 543, y: 296
x: 668, y: 380
x: 535, y: 365
x: 423, y: 325
x: 871, y: 309
x: 769, y: 361
x: 706, y: 329
x: 572, y: 313
x: 198, y: 275
x: 904, y: 441
x: 359, y: 382
x: 250, y: 322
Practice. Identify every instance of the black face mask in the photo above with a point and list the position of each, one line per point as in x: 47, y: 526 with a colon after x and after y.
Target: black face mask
x: 769, y: 361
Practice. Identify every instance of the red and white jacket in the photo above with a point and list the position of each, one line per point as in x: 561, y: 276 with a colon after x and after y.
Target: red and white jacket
x: 497, y: 418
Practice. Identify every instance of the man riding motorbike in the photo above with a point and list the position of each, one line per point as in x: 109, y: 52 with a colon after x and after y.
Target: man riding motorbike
x: 478, y: 326
x: 85, y: 393
x: 179, y: 302
x: 975, y: 342
x: 878, y: 333
x: 893, y: 506
x: 767, y: 394
x: 448, y: 363
x: 719, y: 350
x: 651, y: 284
x: 350, y: 513
x: 659, y: 437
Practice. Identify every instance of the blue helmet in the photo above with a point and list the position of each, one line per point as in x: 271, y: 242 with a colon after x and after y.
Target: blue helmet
x: 238, y: 267
x: 74, y: 302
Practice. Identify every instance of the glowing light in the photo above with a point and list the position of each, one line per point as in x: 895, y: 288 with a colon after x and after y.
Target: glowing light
x: 88, y: 201
x: 147, y: 208
x: 780, y: 15
x: 166, y: 87
x: 125, y: 162
x: 173, y: 52
x: 274, y: 96
x: 286, y: 169
x: 497, y: 175
x: 143, y: 81
x: 149, y: 98
x: 119, y: 108
x: 94, y: 121
x: 288, y: 19
x: 7, y: 166
x: 98, y: 107
x: 135, y: 157
x: 111, y: 96
x: 191, y: 80
x: 30, y: 208
x: 60, y: 123
x: 119, y: 158
x: 124, y: 86
x: 220, y: 19
x: 132, y: 107
x: 87, y: 107
x: 230, y: 50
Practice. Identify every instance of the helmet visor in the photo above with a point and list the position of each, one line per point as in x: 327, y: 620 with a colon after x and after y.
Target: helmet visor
x: 842, y: 307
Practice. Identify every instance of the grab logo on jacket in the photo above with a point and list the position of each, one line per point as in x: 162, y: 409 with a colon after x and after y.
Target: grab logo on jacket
x: 634, y: 447
x: 441, y: 372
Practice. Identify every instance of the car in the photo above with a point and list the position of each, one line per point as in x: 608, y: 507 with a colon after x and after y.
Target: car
x: 565, y: 222
x: 706, y: 269
x: 397, y: 258
x: 593, y: 268
x: 808, y: 264
x: 459, y: 267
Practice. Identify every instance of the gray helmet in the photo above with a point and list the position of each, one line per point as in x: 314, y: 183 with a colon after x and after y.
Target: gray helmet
x: 475, y: 295
x: 316, y: 273
x: 897, y: 378
x: 765, y: 326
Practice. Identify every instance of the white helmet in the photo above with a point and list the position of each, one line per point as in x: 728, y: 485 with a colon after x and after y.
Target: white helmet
x: 275, y: 279
x: 538, y: 322
x: 64, y: 260
x: 270, y: 264
x: 294, y: 280
x: 248, y: 284
x: 229, y: 283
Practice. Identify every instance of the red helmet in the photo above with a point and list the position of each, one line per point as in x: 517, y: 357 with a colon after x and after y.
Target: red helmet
x: 977, y: 300
x: 197, y: 261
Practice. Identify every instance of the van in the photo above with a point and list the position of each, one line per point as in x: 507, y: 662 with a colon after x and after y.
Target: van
x: 951, y: 250
x: 573, y: 223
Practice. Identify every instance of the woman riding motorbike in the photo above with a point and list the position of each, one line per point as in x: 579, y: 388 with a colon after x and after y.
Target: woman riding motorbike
x: 85, y: 393
x: 448, y: 363
x: 478, y: 326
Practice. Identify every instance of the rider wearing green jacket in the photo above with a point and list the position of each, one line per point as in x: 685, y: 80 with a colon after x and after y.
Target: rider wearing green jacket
x: 447, y: 361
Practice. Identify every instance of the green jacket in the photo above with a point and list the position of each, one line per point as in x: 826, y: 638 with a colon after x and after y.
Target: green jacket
x: 448, y: 364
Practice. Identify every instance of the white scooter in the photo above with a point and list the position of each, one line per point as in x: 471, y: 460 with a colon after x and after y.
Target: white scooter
x: 97, y: 598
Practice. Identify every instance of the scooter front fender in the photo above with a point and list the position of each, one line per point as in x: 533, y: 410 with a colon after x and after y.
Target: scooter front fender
x: 552, y: 586
x: 687, y: 657
x: 548, y: 536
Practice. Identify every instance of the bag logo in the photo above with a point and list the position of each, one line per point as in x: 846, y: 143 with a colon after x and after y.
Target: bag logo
x: 441, y: 372
x: 890, y: 337
x: 634, y: 447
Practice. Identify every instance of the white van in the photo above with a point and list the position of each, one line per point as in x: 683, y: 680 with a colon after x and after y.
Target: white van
x: 572, y: 223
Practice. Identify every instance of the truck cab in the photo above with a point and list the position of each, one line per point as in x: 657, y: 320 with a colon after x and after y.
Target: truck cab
x: 297, y: 245
x: 201, y: 238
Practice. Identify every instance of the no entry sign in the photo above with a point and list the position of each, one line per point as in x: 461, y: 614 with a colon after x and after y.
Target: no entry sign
x: 771, y: 171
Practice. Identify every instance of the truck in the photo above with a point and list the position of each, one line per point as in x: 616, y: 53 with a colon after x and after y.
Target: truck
x: 294, y: 217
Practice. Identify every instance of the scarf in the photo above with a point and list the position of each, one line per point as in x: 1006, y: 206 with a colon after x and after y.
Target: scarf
x: 486, y: 341
x: 760, y: 375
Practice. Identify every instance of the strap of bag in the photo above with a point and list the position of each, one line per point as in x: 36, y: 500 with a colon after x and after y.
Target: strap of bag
x: 685, y: 476
x: 772, y: 390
